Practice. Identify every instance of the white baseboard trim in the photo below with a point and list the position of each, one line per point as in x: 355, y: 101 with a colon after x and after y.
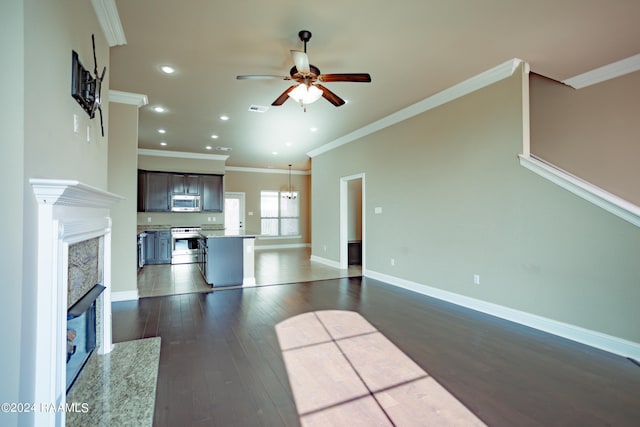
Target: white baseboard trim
x: 591, y: 338
x: 325, y: 261
x: 284, y: 246
x: 124, y: 296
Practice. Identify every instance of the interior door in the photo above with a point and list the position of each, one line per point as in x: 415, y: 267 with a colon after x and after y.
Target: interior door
x: 234, y: 211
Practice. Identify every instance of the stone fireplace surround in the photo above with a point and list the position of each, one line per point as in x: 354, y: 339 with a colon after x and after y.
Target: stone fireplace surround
x: 69, y: 212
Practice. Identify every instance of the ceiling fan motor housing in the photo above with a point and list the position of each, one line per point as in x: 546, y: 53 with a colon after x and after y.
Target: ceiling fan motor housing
x: 312, y: 70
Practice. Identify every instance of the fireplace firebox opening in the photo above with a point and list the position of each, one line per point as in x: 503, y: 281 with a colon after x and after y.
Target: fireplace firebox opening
x: 81, y: 332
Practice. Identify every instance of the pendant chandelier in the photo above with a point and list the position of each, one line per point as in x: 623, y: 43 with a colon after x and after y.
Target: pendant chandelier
x: 289, y: 195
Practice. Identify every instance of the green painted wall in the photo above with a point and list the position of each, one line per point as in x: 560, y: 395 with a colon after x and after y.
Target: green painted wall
x: 12, y: 174
x: 455, y: 203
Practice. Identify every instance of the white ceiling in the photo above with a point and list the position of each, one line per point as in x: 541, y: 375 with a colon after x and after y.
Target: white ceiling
x: 412, y: 49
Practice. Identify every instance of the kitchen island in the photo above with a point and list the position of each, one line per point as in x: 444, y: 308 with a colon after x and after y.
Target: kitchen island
x: 226, y: 257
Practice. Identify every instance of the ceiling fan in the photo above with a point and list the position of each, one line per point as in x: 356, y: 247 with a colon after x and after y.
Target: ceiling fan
x: 308, y: 77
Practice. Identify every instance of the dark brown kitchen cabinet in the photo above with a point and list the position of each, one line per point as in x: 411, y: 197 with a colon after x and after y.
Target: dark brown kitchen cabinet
x: 157, y: 196
x: 156, y: 188
x: 185, y: 185
x: 211, y: 193
x: 142, y: 190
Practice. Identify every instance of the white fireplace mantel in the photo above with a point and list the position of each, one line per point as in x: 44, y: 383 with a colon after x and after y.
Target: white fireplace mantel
x: 72, y: 193
x: 68, y: 212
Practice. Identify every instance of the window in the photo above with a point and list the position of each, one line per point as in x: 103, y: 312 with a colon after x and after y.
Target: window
x: 279, y: 216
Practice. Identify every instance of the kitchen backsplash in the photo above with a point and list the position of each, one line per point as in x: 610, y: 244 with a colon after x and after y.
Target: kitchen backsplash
x: 150, y: 219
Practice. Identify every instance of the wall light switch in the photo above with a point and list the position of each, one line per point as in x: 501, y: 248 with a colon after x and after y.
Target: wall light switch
x: 378, y: 210
x: 148, y: 219
x: 76, y: 124
x: 250, y: 213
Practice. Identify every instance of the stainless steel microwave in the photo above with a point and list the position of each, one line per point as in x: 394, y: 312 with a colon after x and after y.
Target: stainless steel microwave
x: 184, y: 203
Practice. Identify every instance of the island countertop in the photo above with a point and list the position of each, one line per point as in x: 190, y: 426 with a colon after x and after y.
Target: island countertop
x: 228, y: 233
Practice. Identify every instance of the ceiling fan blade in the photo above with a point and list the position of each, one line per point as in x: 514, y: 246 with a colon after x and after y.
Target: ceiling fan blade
x: 282, y: 98
x: 301, y: 60
x: 348, y: 77
x: 330, y: 96
x: 263, y: 77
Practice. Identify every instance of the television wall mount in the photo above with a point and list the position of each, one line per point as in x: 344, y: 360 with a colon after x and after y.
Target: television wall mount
x: 85, y: 88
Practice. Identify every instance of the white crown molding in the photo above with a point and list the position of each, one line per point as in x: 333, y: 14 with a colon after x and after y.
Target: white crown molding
x: 607, y: 72
x: 109, y: 19
x: 472, y: 84
x: 265, y: 170
x: 181, y: 154
x: 596, y: 195
x: 595, y: 339
x: 71, y: 193
x: 130, y: 98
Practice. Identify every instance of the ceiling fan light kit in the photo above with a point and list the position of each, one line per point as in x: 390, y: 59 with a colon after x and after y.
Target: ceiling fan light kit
x: 304, y: 94
x: 307, y: 89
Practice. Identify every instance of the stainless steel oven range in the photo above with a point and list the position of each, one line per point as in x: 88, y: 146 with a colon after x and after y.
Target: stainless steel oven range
x: 184, y: 244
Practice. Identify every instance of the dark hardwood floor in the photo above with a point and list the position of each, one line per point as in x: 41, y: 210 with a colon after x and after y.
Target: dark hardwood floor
x: 221, y: 365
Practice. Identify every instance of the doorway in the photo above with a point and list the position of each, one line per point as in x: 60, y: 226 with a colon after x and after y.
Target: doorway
x: 352, y: 221
x: 234, y: 210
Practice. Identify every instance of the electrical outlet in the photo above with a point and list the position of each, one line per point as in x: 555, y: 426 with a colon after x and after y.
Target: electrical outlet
x: 393, y: 262
x: 76, y: 124
x: 476, y: 279
x: 148, y: 219
x: 325, y: 248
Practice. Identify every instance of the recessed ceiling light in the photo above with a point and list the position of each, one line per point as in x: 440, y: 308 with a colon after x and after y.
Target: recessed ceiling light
x: 313, y: 129
x: 159, y: 109
x: 163, y: 143
x: 162, y: 131
x: 224, y: 118
x: 208, y: 147
x: 214, y: 136
x: 167, y: 69
x: 288, y: 143
x: 275, y: 153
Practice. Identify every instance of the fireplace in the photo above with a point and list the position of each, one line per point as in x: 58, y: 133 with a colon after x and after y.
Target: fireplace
x: 81, y: 332
x: 74, y: 253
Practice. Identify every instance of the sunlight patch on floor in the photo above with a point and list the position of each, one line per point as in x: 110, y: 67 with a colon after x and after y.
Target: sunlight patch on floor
x: 343, y: 371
